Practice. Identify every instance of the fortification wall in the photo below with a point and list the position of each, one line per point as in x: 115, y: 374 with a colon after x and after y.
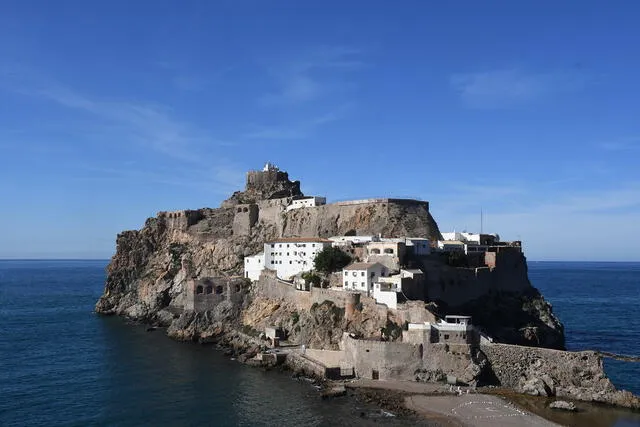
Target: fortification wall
x: 245, y: 218
x: 180, y: 219
x: 271, y: 287
x: 366, y: 217
x: 206, y: 293
x: 382, y: 359
x: 457, y: 286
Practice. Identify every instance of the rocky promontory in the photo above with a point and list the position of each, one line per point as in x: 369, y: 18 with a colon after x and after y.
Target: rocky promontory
x: 151, y: 277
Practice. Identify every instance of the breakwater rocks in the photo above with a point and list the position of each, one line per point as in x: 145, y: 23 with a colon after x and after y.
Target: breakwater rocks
x: 546, y: 372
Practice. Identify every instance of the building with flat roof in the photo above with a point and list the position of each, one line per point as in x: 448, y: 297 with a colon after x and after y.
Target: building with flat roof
x: 360, y: 276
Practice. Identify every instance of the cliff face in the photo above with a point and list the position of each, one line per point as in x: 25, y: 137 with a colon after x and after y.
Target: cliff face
x: 148, y: 277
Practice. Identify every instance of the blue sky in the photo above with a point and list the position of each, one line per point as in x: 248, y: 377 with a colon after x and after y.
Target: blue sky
x: 113, y: 111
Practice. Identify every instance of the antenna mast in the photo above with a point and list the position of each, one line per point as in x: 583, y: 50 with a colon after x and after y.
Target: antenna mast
x: 481, y: 221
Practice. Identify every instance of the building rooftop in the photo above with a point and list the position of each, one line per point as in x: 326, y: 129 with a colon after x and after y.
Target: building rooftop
x: 452, y: 242
x: 413, y: 270
x: 361, y: 265
x: 299, y: 240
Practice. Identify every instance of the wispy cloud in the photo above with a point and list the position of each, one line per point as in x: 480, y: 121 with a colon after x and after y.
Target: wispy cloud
x: 151, y: 126
x: 512, y: 86
x: 312, y: 76
x: 297, y: 130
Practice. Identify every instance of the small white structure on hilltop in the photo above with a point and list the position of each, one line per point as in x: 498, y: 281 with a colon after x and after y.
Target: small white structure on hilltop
x: 270, y: 167
x: 360, y: 276
x: 288, y: 256
x: 306, y: 202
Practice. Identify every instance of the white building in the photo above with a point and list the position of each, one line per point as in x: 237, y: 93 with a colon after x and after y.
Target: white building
x: 290, y: 256
x: 453, y: 235
x: 355, y: 240
x: 386, y: 293
x: 307, y: 202
x: 361, y: 276
x: 451, y: 245
x: 419, y: 246
x: 253, y: 266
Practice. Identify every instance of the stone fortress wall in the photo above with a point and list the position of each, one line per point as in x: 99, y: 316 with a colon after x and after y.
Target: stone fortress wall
x: 270, y: 286
x: 206, y: 293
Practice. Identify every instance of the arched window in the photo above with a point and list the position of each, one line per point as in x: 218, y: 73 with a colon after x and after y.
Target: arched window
x: 218, y: 289
x: 388, y: 251
x: 239, y: 210
x: 199, y: 290
x: 209, y: 290
x: 375, y: 251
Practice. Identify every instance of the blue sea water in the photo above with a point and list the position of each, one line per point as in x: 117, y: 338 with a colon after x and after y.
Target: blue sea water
x: 599, y: 305
x: 62, y: 365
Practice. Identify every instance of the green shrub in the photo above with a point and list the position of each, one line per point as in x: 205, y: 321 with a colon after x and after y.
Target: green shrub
x: 331, y: 259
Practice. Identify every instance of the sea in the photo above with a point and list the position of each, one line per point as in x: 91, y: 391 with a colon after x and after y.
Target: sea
x: 63, y: 365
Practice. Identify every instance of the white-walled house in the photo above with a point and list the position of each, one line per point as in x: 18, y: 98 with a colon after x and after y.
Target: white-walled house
x: 361, y: 276
x: 418, y: 245
x: 293, y: 255
x: 386, y: 293
x: 253, y: 266
x: 307, y: 202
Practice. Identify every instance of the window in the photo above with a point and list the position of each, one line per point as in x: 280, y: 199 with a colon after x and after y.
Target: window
x: 272, y: 262
x: 209, y: 290
x: 218, y: 289
x: 280, y: 245
x: 446, y: 336
x: 375, y: 251
x: 362, y: 283
x: 295, y: 252
x: 354, y: 284
x: 388, y: 251
x: 273, y: 246
x: 313, y: 245
x: 355, y: 274
x: 287, y: 253
x: 287, y: 245
x: 199, y: 290
x: 346, y: 273
x: 346, y: 284
x: 362, y: 273
x: 373, y: 274
x: 290, y: 262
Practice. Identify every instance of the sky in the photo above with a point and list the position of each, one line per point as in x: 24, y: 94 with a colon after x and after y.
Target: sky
x: 529, y: 111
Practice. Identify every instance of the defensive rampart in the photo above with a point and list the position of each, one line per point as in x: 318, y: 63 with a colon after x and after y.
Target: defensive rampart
x: 270, y: 286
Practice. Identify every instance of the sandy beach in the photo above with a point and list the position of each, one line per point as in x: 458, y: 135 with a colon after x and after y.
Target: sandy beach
x: 438, y: 403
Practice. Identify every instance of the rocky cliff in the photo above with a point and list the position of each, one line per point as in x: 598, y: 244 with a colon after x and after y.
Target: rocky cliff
x: 150, y: 274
